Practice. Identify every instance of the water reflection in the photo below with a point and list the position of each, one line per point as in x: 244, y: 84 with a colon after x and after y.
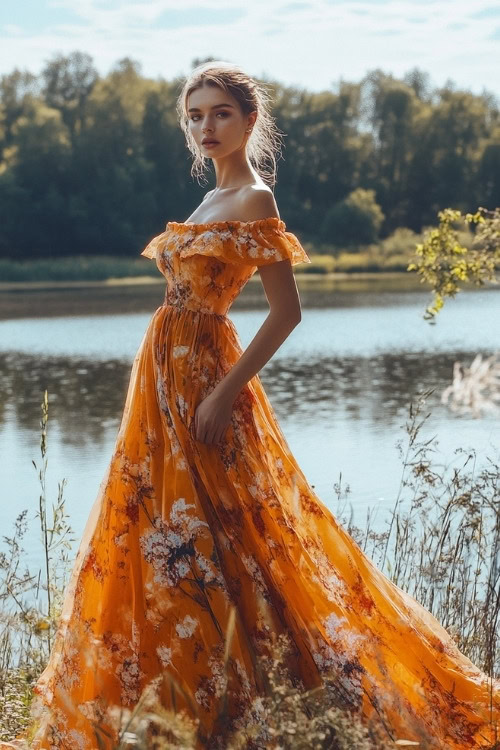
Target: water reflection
x: 86, y: 397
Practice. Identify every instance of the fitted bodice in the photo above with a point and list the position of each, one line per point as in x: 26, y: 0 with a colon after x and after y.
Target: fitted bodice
x: 207, y: 265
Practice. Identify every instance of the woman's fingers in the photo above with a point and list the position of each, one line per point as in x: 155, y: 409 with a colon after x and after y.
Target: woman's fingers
x: 206, y: 433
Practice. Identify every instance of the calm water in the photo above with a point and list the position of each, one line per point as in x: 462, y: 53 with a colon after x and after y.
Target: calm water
x: 341, y: 385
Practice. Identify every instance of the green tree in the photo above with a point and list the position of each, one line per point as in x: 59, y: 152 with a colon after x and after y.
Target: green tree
x: 18, y: 93
x: 36, y: 164
x: 323, y: 152
x: 391, y: 108
x: 68, y: 82
x: 488, y: 172
x: 98, y: 164
x: 356, y: 220
x: 450, y: 142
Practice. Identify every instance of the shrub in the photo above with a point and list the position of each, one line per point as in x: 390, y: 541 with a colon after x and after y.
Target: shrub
x: 355, y: 220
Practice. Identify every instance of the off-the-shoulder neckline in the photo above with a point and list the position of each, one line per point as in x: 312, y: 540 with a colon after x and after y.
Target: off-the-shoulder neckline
x: 271, y: 220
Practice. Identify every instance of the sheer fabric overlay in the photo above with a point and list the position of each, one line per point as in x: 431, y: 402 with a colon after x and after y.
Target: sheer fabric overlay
x: 181, y: 532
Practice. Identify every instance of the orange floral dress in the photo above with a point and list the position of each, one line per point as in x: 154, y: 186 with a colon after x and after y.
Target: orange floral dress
x: 184, y: 533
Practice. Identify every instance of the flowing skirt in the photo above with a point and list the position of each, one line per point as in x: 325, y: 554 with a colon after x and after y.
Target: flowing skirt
x: 183, y: 533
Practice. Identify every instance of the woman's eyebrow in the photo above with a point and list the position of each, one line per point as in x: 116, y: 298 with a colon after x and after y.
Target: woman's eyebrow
x: 195, y: 109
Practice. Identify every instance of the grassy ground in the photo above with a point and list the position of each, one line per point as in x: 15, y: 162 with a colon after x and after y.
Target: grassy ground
x: 392, y: 254
x: 102, y: 268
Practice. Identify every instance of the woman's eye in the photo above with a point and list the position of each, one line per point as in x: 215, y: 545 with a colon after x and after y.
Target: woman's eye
x: 219, y: 113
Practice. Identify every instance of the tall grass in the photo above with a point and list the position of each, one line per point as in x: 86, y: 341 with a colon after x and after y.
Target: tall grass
x: 444, y: 547
x: 441, y: 544
x: 30, y: 603
x: 74, y: 268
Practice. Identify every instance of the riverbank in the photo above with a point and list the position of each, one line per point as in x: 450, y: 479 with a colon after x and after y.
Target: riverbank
x: 106, y: 268
x: 142, y: 294
x: 7, y: 286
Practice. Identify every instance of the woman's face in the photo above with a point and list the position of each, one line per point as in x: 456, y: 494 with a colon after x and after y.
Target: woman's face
x: 216, y: 115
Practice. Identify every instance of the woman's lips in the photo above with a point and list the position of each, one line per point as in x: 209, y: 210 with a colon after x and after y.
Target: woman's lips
x: 210, y: 144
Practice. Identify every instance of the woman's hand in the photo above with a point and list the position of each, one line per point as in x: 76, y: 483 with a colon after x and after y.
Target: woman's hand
x: 212, y: 417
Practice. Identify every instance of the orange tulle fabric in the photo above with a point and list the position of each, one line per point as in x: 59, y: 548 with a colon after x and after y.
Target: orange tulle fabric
x: 181, y: 531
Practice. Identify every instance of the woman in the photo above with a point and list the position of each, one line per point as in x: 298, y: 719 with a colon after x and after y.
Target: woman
x: 204, y: 507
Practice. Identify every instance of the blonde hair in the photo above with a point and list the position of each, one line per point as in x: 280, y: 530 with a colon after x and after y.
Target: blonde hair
x: 264, y: 143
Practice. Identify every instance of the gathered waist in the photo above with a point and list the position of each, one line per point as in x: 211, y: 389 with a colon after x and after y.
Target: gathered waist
x: 196, y: 311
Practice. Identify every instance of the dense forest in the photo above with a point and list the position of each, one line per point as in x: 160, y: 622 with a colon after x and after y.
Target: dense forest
x: 97, y: 165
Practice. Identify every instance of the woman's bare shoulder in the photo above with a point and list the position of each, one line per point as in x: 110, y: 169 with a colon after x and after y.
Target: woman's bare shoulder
x: 257, y: 202
x: 207, y: 195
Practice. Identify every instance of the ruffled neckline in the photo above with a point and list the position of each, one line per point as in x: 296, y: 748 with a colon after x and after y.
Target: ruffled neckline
x: 271, y: 221
x: 257, y: 242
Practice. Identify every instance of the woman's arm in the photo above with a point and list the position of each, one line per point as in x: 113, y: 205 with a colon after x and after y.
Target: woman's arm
x: 284, y: 314
x: 214, y: 413
x: 283, y: 298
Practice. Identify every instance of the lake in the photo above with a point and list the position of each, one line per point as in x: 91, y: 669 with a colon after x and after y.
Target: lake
x: 341, y: 384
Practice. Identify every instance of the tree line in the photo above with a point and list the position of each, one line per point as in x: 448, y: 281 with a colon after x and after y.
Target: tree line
x: 98, y: 164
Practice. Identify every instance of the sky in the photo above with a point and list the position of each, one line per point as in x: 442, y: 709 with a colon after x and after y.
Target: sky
x: 312, y: 45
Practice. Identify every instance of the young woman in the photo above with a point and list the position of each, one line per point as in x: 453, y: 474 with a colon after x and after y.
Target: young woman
x: 205, y: 515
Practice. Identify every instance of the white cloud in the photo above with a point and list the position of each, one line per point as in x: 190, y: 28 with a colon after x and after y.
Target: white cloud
x: 11, y: 29
x: 309, y: 44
